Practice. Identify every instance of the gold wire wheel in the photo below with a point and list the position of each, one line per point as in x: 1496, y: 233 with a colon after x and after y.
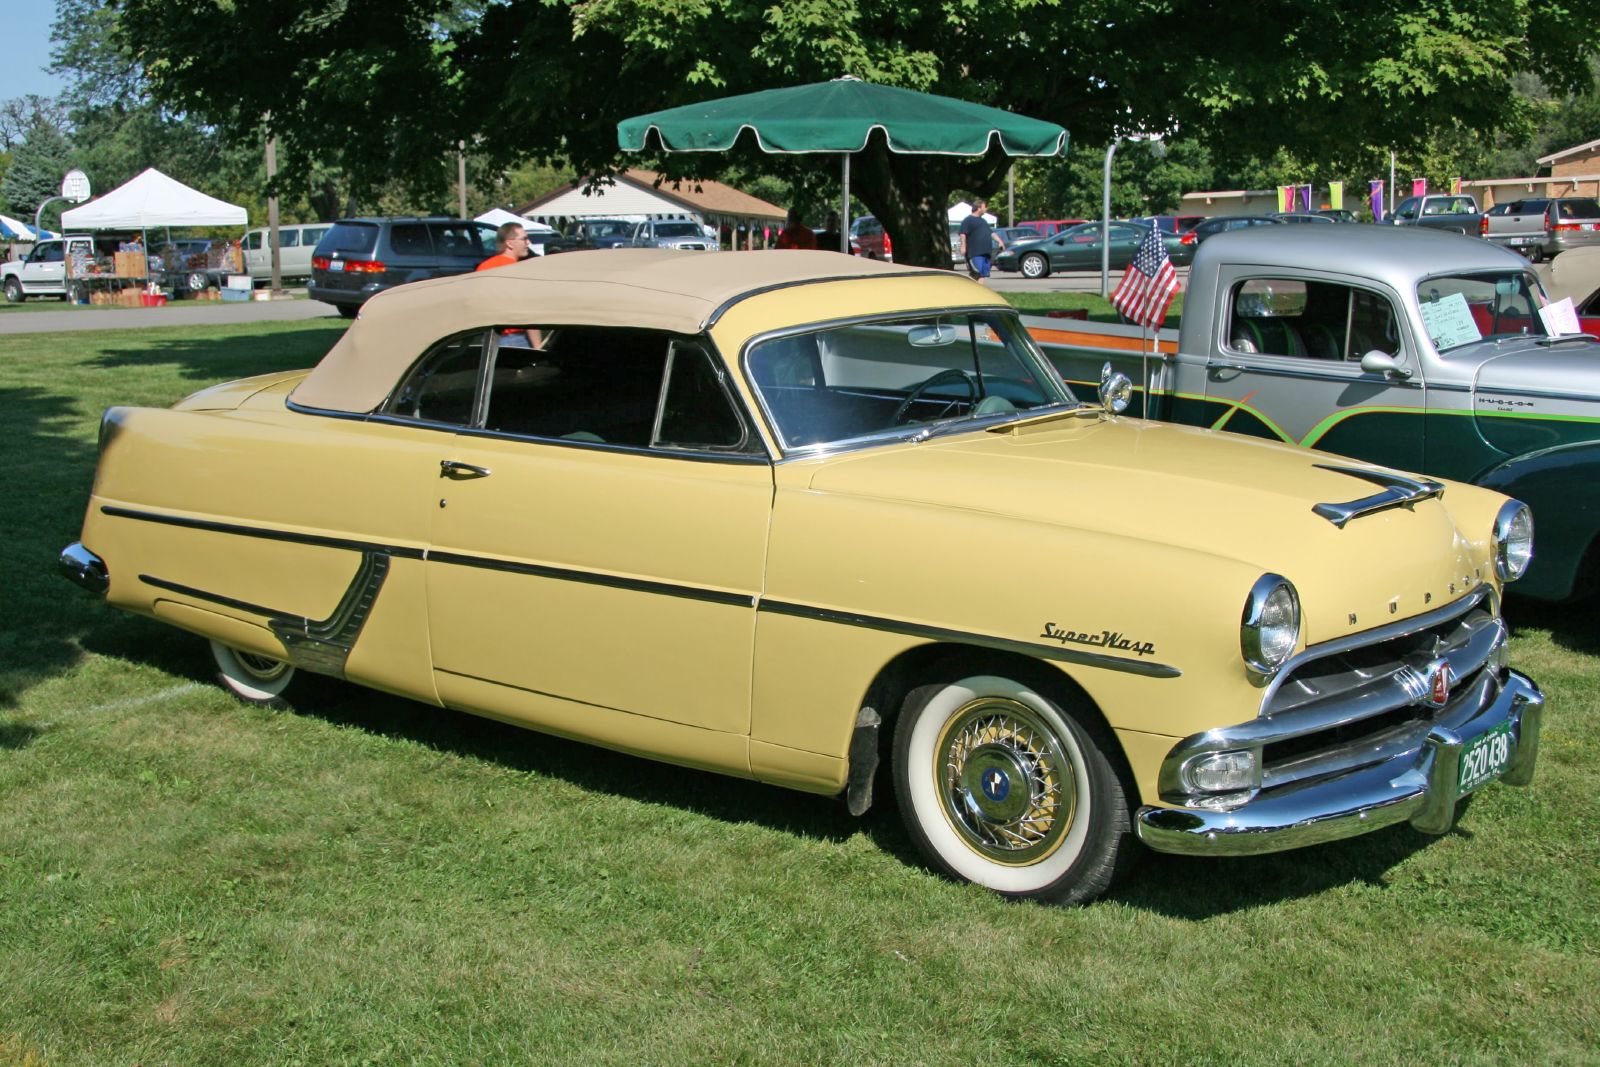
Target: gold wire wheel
x: 1006, y: 781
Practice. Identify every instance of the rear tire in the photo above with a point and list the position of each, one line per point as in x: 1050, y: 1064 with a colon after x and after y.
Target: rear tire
x: 1002, y: 786
x: 250, y: 677
x: 348, y: 311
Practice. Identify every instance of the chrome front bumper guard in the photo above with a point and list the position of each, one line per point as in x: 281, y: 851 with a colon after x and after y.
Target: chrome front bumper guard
x: 1419, y: 786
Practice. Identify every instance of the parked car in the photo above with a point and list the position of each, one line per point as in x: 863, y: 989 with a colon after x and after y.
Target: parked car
x: 725, y: 517
x: 1224, y: 223
x: 1078, y: 248
x: 296, y: 244
x: 1013, y: 234
x: 683, y: 235
x: 1337, y: 214
x: 1452, y: 212
x: 43, y: 270
x: 1299, y: 217
x: 1050, y: 227
x: 868, y: 236
x: 1179, y: 224
x: 359, y: 258
x: 1542, y: 228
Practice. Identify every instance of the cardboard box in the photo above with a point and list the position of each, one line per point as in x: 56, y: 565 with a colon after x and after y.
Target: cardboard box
x: 130, y: 265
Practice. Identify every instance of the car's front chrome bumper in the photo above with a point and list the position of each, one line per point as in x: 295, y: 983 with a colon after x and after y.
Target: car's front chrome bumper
x: 1419, y: 786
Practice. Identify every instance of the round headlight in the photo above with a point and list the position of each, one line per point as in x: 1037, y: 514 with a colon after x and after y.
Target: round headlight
x: 1513, y: 540
x: 1270, y: 626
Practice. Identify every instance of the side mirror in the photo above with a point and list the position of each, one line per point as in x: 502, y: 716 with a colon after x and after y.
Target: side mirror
x: 1116, y: 390
x: 1383, y: 363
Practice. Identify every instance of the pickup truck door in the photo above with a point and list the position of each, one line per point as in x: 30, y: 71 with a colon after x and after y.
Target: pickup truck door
x: 1286, y: 364
x: 45, y: 269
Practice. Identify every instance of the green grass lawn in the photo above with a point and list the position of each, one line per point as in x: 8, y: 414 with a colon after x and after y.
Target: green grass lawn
x: 187, y: 880
x: 1098, y: 307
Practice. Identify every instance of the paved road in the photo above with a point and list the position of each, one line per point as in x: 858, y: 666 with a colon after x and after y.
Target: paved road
x: 1073, y: 281
x: 177, y: 313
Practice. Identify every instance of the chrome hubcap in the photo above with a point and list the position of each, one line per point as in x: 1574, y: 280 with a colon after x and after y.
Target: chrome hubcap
x: 1005, y: 780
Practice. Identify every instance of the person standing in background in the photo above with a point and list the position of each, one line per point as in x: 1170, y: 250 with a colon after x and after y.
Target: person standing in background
x: 978, y: 241
x: 796, y: 234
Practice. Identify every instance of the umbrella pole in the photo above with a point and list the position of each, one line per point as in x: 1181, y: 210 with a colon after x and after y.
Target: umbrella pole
x: 844, y: 205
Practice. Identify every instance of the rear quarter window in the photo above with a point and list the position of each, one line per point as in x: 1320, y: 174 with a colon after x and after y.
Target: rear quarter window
x: 409, y: 239
x: 1578, y: 208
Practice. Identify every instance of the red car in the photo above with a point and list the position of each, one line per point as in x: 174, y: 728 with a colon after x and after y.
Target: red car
x: 1050, y: 227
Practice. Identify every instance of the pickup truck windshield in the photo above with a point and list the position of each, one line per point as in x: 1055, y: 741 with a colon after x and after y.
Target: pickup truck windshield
x: 1462, y: 309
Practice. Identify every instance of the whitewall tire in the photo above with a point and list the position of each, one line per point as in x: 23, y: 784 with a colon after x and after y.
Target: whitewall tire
x: 250, y: 677
x: 1000, y: 786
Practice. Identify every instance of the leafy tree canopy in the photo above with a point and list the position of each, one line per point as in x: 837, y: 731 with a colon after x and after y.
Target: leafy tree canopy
x: 390, y: 87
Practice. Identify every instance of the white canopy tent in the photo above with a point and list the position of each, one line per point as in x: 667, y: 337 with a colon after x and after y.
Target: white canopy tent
x: 499, y: 216
x: 152, y: 199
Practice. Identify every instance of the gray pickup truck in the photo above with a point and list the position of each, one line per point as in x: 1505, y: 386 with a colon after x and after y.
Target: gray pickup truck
x: 1542, y: 227
x: 1420, y: 351
x: 1455, y: 212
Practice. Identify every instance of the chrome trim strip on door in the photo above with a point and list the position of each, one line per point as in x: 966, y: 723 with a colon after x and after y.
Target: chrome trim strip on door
x: 937, y: 633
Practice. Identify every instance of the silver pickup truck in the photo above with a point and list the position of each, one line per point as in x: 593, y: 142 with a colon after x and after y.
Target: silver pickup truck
x: 1420, y: 351
x: 1542, y: 227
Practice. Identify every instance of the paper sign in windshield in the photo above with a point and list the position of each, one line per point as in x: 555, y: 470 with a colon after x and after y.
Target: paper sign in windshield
x: 1448, y: 321
x: 1560, y: 318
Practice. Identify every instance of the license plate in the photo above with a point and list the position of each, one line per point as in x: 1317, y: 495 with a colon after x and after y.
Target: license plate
x: 1485, y: 757
x: 336, y: 265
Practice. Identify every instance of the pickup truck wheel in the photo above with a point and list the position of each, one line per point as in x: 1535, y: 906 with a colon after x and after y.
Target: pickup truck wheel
x: 197, y: 282
x: 14, y: 293
x: 1535, y: 253
x: 252, y: 678
x: 1002, y: 786
x: 1034, y: 265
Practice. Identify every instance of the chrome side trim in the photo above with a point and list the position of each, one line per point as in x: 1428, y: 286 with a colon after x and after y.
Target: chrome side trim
x: 613, y: 581
x: 84, y: 568
x: 1419, y: 785
x: 1398, y: 492
x: 265, y: 532
x: 318, y: 645
x: 936, y: 633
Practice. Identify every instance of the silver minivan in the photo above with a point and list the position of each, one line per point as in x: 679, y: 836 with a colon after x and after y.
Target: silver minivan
x: 295, y: 245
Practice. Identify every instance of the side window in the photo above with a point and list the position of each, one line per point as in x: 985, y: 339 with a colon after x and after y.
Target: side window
x: 591, y: 384
x: 53, y: 253
x: 443, y: 386
x: 410, y: 239
x: 1309, y: 320
x: 309, y: 238
x: 696, y: 411
x: 288, y: 238
x: 252, y: 241
x: 1407, y: 209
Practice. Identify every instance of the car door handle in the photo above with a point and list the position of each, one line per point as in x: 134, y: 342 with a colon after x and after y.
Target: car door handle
x: 450, y: 468
x: 1219, y: 365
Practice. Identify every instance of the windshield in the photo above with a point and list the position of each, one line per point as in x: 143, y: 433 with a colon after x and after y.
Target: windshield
x: 892, y: 378
x: 677, y: 229
x: 1461, y: 309
x: 608, y: 228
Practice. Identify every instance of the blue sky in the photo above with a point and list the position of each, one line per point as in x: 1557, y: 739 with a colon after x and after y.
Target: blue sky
x: 25, y: 25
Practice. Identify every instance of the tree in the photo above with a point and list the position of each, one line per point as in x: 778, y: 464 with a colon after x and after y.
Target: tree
x: 38, y: 162
x: 388, y: 87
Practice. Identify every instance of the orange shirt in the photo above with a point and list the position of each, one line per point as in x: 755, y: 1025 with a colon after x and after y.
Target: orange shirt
x: 797, y: 237
x: 502, y: 260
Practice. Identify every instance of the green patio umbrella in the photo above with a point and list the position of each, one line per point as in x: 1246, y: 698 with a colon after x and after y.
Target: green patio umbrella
x: 839, y: 116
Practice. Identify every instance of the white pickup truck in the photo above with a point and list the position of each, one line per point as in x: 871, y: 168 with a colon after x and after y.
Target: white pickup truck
x: 43, y: 271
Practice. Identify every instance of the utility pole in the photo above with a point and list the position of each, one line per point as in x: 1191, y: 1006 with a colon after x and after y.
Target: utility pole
x: 272, y: 216
x: 461, y: 178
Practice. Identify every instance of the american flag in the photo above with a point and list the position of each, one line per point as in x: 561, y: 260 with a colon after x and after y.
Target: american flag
x: 1149, y: 284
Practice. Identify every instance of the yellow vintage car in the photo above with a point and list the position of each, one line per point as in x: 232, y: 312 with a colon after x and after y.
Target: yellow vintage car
x: 789, y: 515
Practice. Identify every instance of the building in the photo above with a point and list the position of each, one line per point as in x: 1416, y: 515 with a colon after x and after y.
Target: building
x: 743, y: 220
x: 1573, y: 171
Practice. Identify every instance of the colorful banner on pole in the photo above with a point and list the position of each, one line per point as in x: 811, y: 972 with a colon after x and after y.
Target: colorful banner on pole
x: 1285, y: 198
x: 1375, y: 199
x: 1419, y: 187
x: 1336, y: 195
x: 1305, y: 198
x: 1455, y: 186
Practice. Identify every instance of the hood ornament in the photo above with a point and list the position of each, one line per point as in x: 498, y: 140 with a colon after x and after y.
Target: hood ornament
x: 1399, y: 491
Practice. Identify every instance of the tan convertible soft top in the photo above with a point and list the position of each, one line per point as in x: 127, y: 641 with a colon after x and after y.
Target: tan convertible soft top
x: 661, y: 289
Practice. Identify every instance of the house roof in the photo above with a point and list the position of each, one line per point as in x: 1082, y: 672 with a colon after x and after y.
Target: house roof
x: 1575, y: 150
x: 703, y: 197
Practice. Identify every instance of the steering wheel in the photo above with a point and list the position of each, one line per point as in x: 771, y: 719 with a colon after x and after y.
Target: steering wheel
x: 944, y: 377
